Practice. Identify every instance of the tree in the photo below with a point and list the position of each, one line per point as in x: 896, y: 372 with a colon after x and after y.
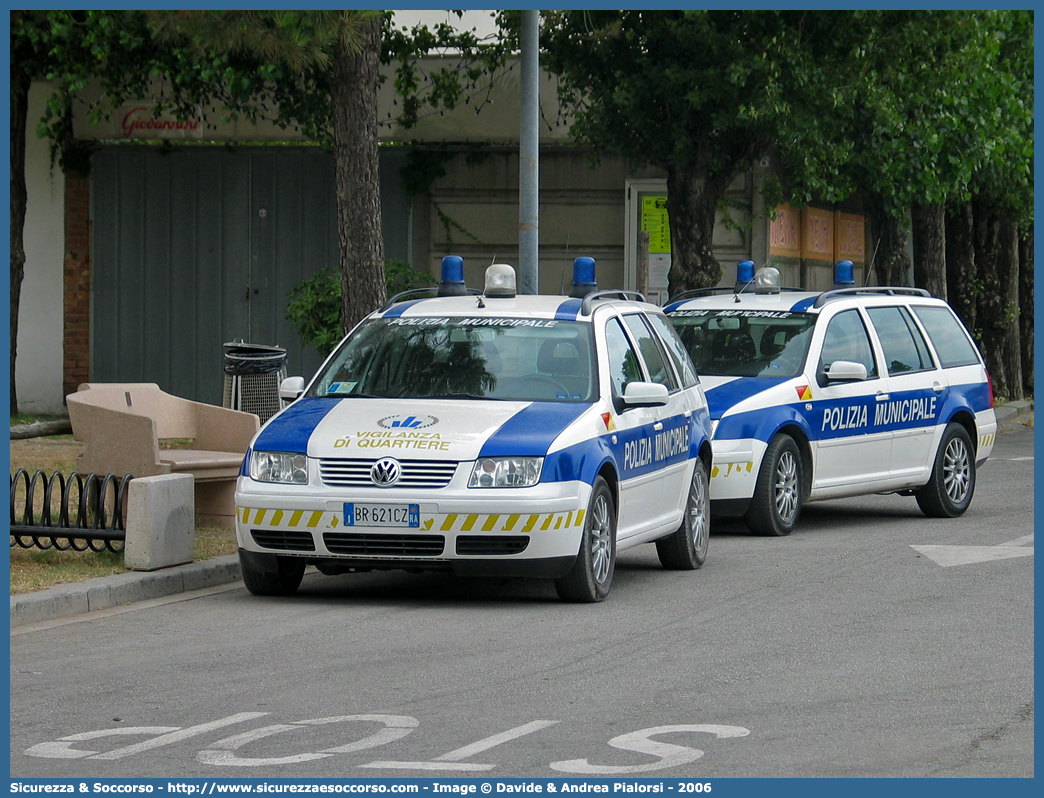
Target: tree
x: 309, y: 53
x: 70, y: 48
x: 702, y: 94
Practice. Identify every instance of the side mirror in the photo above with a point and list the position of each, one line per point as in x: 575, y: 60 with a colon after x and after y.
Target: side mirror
x: 645, y: 394
x: 846, y: 371
x: 291, y: 388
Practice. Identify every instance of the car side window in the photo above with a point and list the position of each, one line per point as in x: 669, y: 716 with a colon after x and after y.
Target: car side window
x: 652, y: 352
x: 951, y: 342
x: 847, y: 339
x: 623, y: 362
x: 676, y: 349
x: 904, y: 347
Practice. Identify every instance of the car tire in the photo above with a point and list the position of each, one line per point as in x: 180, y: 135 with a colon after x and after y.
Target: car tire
x: 591, y: 576
x: 282, y: 580
x: 776, y: 505
x: 952, y: 483
x: 686, y: 548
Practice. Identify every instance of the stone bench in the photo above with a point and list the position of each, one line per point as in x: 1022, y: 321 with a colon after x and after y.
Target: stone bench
x: 122, y: 425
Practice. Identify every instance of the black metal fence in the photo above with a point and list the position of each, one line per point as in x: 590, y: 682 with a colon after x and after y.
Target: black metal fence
x: 81, y: 512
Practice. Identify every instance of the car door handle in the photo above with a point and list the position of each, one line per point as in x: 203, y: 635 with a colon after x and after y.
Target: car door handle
x: 937, y: 387
x: 882, y: 397
x: 658, y: 426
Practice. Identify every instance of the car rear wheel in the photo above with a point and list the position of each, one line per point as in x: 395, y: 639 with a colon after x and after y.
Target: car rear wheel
x: 591, y: 576
x: 281, y: 577
x: 776, y: 505
x: 949, y: 490
x: 686, y: 548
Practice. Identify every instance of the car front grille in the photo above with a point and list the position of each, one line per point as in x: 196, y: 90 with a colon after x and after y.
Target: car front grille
x: 355, y: 473
x: 383, y: 545
x: 284, y: 539
x: 492, y: 545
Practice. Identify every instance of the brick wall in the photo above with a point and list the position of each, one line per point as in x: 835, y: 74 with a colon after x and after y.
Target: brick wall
x: 77, y: 340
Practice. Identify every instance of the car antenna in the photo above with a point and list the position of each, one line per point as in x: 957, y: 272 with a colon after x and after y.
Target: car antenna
x: 870, y: 268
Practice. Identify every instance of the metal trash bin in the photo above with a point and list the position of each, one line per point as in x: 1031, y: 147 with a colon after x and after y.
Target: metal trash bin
x: 252, y: 376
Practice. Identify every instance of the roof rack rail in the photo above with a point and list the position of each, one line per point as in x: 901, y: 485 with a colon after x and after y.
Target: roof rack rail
x: 585, y: 307
x: 885, y: 290
x: 723, y: 289
x: 430, y: 290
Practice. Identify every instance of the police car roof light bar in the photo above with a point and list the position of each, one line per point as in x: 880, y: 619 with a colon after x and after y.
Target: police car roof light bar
x: 583, y: 278
x: 452, y: 282
x: 744, y: 275
x: 844, y: 274
x: 500, y: 281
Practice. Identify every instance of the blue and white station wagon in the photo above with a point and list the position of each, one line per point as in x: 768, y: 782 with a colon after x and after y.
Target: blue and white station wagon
x: 485, y: 434
x: 840, y: 393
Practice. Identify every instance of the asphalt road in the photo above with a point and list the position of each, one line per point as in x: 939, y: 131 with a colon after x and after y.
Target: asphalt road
x: 873, y: 642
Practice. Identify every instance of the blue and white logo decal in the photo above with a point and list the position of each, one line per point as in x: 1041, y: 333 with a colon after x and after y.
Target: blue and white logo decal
x: 407, y: 422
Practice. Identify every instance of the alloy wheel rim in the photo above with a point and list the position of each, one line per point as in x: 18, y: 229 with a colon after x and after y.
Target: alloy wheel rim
x: 698, y: 511
x: 956, y: 471
x: 601, y: 539
x: 786, y: 487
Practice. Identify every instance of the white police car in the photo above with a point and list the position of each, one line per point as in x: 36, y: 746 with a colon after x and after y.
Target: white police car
x: 824, y: 395
x: 485, y: 434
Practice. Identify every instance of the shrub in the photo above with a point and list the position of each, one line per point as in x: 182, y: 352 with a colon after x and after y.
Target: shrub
x: 314, y: 307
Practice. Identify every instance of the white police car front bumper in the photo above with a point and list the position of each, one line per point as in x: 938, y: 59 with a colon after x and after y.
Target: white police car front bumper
x: 533, y: 531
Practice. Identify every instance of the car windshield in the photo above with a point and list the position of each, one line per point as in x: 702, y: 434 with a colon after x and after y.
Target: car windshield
x: 745, y: 343
x: 542, y: 360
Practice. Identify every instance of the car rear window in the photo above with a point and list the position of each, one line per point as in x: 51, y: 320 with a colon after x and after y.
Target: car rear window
x: 745, y: 343
x: 951, y: 341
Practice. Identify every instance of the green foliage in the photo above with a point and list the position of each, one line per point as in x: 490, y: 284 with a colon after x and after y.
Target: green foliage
x: 314, y: 307
x: 314, y: 310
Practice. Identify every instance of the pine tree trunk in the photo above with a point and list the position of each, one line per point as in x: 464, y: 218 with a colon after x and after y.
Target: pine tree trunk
x: 1026, y: 303
x: 19, y: 112
x: 961, y: 274
x: 692, y: 201
x: 891, y: 263
x: 929, y: 248
x: 353, y: 93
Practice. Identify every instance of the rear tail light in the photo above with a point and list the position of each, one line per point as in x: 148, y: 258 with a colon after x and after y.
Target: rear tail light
x: 990, y: 383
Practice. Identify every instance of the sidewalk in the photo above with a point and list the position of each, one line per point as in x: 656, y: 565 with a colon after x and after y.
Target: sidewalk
x: 79, y: 598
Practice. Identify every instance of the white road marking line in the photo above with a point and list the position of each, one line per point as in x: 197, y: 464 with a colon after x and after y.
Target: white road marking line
x: 949, y: 556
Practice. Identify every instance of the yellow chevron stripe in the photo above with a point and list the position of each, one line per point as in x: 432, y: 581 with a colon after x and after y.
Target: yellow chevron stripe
x: 510, y: 523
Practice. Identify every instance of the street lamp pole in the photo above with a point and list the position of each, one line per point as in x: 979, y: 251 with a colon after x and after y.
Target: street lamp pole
x: 529, y: 156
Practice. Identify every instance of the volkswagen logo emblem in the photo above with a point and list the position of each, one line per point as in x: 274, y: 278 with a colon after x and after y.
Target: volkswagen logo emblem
x: 386, y: 472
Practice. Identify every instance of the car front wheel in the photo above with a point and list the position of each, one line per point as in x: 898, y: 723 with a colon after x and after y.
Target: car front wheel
x: 950, y: 488
x: 269, y: 575
x: 686, y: 548
x: 776, y: 504
x: 591, y: 576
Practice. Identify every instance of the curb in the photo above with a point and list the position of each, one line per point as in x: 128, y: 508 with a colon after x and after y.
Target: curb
x: 1009, y: 411
x: 62, y: 601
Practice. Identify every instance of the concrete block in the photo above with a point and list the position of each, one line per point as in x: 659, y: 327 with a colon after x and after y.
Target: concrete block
x: 161, y: 529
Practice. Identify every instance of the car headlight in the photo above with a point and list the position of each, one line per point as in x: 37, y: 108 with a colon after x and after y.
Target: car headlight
x: 279, y: 467
x: 506, y: 472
